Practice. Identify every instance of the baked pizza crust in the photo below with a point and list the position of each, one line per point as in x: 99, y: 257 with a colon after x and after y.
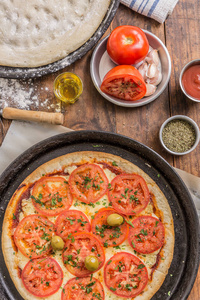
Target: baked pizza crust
x: 66, y: 162
x: 38, y: 32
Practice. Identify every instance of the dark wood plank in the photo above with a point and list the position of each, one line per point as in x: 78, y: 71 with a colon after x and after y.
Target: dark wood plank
x: 182, y: 40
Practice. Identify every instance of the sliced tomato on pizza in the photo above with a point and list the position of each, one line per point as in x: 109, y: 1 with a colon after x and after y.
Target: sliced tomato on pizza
x: 71, y: 221
x: 87, y: 288
x: 50, y: 195
x: 125, y: 275
x: 147, y: 234
x: 42, y: 277
x: 77, y: 248
x: 33, y: 236
x: 88, y: 183
x: 109, y: 236
x: 129, y: 194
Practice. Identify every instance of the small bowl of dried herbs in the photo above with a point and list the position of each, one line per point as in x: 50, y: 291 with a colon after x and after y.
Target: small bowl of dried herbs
x: 179, y: 135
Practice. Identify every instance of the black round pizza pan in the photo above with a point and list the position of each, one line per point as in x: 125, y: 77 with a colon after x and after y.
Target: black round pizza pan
x: 23, y: 73
x: 183, y: 270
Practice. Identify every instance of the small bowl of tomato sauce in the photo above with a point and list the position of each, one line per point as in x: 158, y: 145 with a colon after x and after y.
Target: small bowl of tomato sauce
x: 190, y: 80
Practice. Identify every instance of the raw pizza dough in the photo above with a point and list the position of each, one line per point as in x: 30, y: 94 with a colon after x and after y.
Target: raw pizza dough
x: 158, y: 207
x: 38, y: 32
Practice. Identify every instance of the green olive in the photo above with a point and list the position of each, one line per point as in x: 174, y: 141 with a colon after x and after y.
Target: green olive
x: 91, y: 263
x: 57, y: 242
x: 115, y: 220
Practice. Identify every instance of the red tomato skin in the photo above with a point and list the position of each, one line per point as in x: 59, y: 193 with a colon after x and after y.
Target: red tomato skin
x: 24, y: 222
x: 77, y: 281
x: 149, y: 224
x: 90, y: 195
x: 115, y: 197
x: 127, y: 45
x: 125, y: 73
x: 38, y: 292
x: 60, y: 223
x: 102, y: 216
x: 64, y: 194
x: 122, y: 70
x: 76, y: 271
x: 118, y: 257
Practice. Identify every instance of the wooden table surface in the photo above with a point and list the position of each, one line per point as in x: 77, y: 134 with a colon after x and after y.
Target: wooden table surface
x: 180, y: 33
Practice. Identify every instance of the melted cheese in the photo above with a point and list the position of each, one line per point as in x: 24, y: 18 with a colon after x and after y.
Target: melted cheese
x: 149, y: 259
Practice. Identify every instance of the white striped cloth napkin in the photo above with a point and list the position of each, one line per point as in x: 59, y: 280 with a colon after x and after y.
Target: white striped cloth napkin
x: 155, y: 9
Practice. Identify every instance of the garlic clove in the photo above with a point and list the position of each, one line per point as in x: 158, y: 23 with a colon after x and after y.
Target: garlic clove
x: 157, y: 79
x: 154, y: 57
x: 143, y: 68
x: 150, y: 89
x: 152, y: 71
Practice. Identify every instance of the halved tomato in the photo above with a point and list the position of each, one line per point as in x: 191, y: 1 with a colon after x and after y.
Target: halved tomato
x: 88, y: 183
x: 71, y: 221
x: 108, y: 235
x: 51, y: 195
x: 129, y: 194
x: 147, y: 234
x: 86, y: 288
x: 42, y: 277
x: 77, y: 248
x: 125, y: 275
x: 33, y: 236
x: 124, y: 82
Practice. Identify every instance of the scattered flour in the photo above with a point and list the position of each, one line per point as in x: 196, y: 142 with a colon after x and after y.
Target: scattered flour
x: 25, y: 94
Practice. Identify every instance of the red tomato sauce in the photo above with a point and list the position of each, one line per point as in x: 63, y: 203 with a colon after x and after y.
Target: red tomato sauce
x: 24, y: 195
x: 154, y: 267
x: 191, y: 81
x: 19, y: 272
x: 113, y: 169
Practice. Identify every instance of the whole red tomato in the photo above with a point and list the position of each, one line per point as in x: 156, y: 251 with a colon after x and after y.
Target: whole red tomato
x: 124, y: 82
x: 127, y: 45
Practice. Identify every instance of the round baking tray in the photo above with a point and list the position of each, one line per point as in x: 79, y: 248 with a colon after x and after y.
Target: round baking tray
x: 184, y: 266
x: 22, y: 73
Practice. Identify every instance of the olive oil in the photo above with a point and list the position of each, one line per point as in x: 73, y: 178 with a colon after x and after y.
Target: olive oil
x: 68, y: 87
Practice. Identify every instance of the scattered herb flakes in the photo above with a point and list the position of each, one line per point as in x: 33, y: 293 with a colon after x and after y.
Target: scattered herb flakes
x: 129, y: 222
x: 141, y: 266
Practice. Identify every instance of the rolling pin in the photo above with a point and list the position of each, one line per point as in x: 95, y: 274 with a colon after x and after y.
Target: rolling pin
x: 34, y: 116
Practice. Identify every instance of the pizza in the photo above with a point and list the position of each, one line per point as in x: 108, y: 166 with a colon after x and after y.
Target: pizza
x: 88, y: 225
x: 37, y: 32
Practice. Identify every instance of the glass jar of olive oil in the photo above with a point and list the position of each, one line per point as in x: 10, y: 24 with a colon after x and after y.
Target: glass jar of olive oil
x: 68, y: 87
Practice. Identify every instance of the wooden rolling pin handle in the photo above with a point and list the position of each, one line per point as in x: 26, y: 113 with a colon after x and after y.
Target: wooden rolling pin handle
x: 35, y: 116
